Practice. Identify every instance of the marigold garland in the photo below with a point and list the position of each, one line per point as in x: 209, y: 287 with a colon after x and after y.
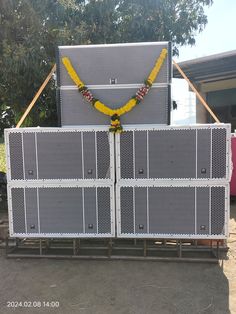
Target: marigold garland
x: 115, y: 113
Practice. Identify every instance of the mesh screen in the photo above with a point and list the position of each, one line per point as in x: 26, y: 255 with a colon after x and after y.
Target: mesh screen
x: 97, y: 65
x: 218, y: 153
x: 18, y: 211
x: 171, y: 210
x: 140, y: 138
x: 172, y: 154
x: 126, y: 155
x: 103, y: 155
x: 154, y: 109
x: 59, y: 155
x: 61, y: 210
x: 16, y: 156
x: 127, y: 211
x: 217, y: 210
x: 104, y: 210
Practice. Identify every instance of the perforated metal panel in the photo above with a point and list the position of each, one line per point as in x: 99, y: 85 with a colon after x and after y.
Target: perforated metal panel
x: 110, y: 71
x: 98, y: 64
x: 176, y: 211
x: 174, y: 153
x: 62, y: 211
x: 60, y: 154
x: 154, y: 109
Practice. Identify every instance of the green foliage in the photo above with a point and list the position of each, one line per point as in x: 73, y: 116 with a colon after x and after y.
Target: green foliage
x: 30, y: 31
x: 2, y: 158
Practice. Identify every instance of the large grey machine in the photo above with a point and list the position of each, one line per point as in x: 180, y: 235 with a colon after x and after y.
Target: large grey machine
x: 151, y: 181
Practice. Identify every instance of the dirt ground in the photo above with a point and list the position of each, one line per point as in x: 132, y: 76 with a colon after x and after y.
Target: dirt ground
x: 121, y: 287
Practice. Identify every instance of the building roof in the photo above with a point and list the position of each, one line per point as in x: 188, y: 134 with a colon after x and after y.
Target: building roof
x: 209, y: 69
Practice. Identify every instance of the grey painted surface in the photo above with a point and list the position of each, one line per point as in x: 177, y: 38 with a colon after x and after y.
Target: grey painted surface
x: 61, y: 210
x: 141, y: 217
x: 202, y: 201
x: 140, y: 154
x: 152, y: 110
x: 89, y: 155
x: 127, y: 64
x: 171, y: 210
x: 172, y: 154
x: 31, y: 208
x: 90, y: 210
x: 59, y: 155
x: 30, y: 156
x: 204, y: 153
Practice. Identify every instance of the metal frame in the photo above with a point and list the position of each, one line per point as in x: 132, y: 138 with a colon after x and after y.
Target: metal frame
x: 227, y: 127
x: 61, y: 235
x: 114, y: 249
x: 81, y: 129
x: 172, y: 236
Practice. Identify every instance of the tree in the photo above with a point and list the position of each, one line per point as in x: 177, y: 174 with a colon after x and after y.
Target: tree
x: 30, y: 31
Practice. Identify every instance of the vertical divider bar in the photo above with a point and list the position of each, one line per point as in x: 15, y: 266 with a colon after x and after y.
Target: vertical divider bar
x: 39, y: 225
x: 196, y: 152
x: 23, y: 159
x: 96, y: 156
x: 147, y: 209
x: 83, y: 209
x: 36, y: 154
x: 133, y: 154
x: 134, y: 208
x: 117, y: 209
x: 23, y: 154
x: 112, y: 157
x: 195, y: 209
x: 211, y: 156
x: 10, y: 214
x: 96, y: 208
x: 147, y: 154
x: 82, y: 153
x: 209, y: 210
x: 8, y: 155
x: 26, y: 229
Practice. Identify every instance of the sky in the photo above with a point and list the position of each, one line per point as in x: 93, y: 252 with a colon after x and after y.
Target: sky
x: 219, y: 34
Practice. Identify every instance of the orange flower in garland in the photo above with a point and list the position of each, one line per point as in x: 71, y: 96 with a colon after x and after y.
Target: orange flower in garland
x: 131, y: 103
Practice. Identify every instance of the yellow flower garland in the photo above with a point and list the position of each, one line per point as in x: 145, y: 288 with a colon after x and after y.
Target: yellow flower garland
x: 131, y: 103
